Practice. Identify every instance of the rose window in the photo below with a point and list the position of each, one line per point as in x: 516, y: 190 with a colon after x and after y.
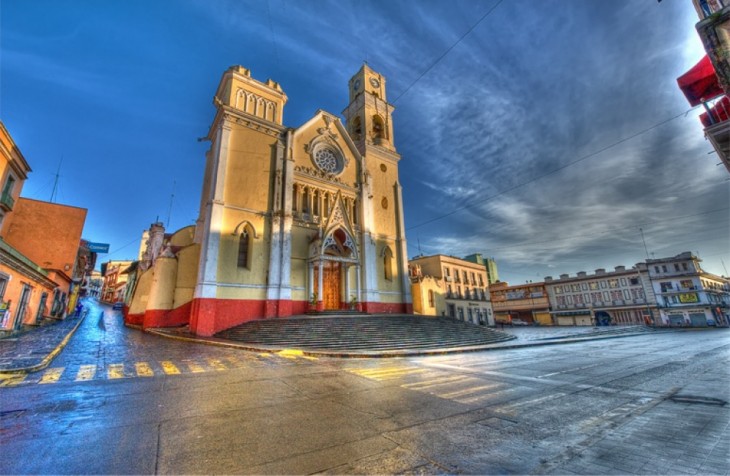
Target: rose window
x: 328, y: 160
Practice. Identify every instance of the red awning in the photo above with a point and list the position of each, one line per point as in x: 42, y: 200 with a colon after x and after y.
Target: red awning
x: 700, y: 84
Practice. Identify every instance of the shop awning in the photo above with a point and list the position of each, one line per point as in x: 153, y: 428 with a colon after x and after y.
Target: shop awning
x: 700, y: 84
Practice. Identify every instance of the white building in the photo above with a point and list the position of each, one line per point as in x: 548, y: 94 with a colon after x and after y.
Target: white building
x: 688, y: 296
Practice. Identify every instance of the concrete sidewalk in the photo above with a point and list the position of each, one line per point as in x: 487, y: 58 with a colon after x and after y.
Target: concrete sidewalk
x: 34, y: 349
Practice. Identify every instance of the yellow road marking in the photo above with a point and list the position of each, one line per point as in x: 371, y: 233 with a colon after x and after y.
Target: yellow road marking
x: 265, y: 354
x: 466, y: 391
x: 86, y: 372
x: 143, y: 369
x: 10, y: 380
x: 197, y: 368
x: 52, y: 375
x: 169, y: 368
x: 436, y: 382
x: 115, y: 371
x: 217, y: 364
x: 234, y: 361
x: 388, y: 373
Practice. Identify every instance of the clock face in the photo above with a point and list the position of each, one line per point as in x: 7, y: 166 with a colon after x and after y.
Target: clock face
x: 356, y: 86
x: 374, y: 82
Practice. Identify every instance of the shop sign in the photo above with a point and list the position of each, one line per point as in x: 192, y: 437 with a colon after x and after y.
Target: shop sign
x: 688, y: 297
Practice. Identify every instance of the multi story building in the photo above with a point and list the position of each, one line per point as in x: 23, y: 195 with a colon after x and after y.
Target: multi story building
x: 448, y: 286
x: 622, y: 297
x: 39, y: 247
x: 290, y: 217
x: 488, y: 263
x: 115, y: 281
x: 708, y: 82
x: 526, y: 303
x: 686, y: 294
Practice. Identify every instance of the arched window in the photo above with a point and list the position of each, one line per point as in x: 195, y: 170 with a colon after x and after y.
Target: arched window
x: 356, y: 128
x: 378, y: 127
x: 245, y: 247
x: 388, y: 264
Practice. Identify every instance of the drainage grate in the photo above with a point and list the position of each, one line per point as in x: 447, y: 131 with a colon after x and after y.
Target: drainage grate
x: 698, y: 400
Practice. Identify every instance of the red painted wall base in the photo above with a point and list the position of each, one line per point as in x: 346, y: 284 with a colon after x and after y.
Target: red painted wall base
x: 208, y: 316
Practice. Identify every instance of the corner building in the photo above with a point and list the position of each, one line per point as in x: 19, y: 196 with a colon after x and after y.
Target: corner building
x: 293, y: 219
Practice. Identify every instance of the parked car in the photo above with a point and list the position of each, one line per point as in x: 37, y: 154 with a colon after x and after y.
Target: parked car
x: 518, y: 322
x: 118, y: 306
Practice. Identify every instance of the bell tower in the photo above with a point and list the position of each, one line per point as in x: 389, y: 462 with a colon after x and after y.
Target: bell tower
x: 368, y: 116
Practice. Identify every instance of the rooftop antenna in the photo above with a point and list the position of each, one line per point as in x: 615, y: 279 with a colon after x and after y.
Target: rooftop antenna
x: 172, y: 198
x: 418, y: 238
x: 644, y: 241
x: 55, y: 182
x: 723, y: 266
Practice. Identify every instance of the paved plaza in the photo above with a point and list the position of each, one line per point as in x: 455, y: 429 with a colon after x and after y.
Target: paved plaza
x: 117, y: 400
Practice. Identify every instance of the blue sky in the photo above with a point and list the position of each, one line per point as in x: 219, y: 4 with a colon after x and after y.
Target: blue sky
x: 523, y: 142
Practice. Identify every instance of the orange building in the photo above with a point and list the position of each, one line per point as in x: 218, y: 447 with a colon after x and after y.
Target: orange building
x: 39, y: 244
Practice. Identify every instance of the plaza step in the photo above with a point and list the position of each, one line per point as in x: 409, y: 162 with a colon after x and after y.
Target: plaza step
x: 364, y: 333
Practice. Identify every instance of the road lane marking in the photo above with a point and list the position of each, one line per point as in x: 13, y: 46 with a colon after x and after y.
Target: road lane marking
x: 52, y: 375
x: 465, y: 392
x: 437, y: 382
x: 169, y: 368
x: 217, y: 364
x: 387, y: 373
x: 86, y: 372
x: 195, y: 367
x: 115, y: 371
x: 10, y: 380
x: 143, y: 369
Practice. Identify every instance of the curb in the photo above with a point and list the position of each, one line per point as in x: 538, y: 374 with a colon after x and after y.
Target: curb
x: 380, y: 354
x: 48, y: 358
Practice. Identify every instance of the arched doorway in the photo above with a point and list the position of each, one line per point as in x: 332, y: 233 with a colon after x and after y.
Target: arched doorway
x: 329, y: 265
x: 603, y: 318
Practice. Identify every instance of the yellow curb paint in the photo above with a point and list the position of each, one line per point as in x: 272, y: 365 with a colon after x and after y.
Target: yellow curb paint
x: 115, y: 371
x: 143, y: 369
x: 290, y: 353
x: 217, y: 364
x: 235, y: 362
x: 86, y: 372
x: 196, y: 368
x: 169, y: 368
x: 52, y: 375
x: 10, y: 380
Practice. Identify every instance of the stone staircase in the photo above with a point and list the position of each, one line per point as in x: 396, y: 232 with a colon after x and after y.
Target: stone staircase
x: 364, y: 333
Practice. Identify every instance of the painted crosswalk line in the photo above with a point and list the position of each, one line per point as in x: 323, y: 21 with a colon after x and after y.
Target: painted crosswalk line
x: 86, y: 372
x: 143, y: 369
x: 52, y: 375
x: 195, y: 367
x: 115, y: 371
x: 169, y: 368
x: 11, y: 380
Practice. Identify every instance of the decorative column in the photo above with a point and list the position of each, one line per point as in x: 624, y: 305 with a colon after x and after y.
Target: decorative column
x: 357, y: 283
x: 310, y: 281
x: 320, y: 304
x: 347, y: 285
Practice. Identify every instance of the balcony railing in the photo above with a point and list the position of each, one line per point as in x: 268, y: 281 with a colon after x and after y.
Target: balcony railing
x: 7, y: 201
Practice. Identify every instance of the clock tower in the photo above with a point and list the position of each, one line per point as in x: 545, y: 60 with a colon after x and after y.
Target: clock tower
x: 369, y: 116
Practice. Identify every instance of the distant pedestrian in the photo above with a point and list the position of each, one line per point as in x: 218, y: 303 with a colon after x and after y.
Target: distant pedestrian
x: 79, y: 308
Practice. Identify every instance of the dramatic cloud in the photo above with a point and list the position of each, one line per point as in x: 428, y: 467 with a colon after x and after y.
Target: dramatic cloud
x: 549, y: 135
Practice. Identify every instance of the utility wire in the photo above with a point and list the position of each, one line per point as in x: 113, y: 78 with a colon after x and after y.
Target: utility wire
x: 471, y: 203
x: 443, y: 55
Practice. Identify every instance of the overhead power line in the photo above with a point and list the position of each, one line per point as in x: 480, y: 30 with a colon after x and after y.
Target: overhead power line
x: 443, y: 55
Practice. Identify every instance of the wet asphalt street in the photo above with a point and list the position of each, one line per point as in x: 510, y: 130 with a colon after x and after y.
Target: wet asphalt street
x: 121, y: 401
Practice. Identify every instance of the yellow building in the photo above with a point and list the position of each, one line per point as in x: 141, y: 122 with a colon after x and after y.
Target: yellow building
x: 290, y: 217
x: 448, y: 286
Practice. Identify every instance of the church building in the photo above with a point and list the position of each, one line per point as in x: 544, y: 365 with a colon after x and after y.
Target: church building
x: 291, y: 219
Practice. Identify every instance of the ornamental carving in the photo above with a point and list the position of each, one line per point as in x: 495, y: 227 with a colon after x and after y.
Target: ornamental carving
x: 317, y: 173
